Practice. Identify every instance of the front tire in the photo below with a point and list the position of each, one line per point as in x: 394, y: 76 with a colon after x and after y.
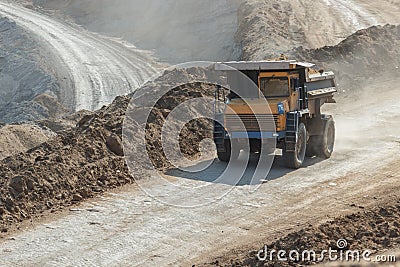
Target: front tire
x: 295, y: 159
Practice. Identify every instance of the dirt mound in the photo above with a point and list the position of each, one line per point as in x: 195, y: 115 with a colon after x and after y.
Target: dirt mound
x: 268, y: 28
x: 64, y: 123
x: 19, y: 138
x: 84, y: 161
x: 54, y: 109
x: 362, y: 56
x: 376, y: 230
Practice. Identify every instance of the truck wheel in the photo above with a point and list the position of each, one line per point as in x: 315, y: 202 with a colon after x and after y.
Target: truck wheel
x: 295, y: 159
x: 327, y: 140
x: 228, y: 154
x: 322, y: 145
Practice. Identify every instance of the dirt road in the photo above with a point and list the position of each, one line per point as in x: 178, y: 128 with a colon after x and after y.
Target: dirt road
x: 131, y: 228
x: 92, y: 70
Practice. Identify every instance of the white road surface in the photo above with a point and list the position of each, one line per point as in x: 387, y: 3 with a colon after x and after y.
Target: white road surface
x: 352, y: 13
x: 92, y: 70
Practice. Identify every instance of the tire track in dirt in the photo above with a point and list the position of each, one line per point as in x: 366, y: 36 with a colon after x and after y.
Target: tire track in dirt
x: 352, y: 13
x: 92, y: 70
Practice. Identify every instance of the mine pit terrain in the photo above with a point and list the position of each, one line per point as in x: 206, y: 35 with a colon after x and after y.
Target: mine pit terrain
x: 68, y: 71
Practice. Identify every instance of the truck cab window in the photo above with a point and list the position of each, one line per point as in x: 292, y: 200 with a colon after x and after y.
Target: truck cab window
x: 275, y: 87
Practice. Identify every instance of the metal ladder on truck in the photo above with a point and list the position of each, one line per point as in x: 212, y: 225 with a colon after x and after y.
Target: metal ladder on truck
x: 219, y: 130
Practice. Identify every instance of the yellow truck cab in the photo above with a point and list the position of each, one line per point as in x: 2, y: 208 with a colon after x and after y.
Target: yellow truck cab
x: 288, y: 96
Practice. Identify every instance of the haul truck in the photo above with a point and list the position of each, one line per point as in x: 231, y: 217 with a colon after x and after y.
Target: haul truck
x: 295, y: 92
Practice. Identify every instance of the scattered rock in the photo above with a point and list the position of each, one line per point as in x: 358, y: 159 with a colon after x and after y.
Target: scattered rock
x: 394, y: 233
x: 18, y: 184
x: 75, y: 210
x: 93, y: 210
x: 77, y: 198
x: 114, y: 143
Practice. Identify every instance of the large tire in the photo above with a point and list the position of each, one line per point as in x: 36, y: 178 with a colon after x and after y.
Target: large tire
x: 322, y: 145
x: 327, y: 140
x: 228, y: 154
x: 295, y: 159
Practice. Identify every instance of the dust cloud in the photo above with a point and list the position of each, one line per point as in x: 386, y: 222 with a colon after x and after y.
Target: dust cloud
x: 177, y: 30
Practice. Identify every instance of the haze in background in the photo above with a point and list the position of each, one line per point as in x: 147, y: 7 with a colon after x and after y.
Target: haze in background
x: 177, y: 30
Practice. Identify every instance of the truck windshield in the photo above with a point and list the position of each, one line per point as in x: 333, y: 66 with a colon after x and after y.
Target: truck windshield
x: 275, y: 87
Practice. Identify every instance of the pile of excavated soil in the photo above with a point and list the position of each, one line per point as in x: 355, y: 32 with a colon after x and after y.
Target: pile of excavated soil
x: 19, y: 138
x: 88, y: 159
x: 62, y: 124
x: 376, y: 230
x: 360, y: 57
x: 268, y: 28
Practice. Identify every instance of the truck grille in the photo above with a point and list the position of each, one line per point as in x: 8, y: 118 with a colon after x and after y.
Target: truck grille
x: 251, y: 122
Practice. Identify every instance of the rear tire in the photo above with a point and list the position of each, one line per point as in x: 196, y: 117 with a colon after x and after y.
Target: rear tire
x: 322, y: 145
x: 327, y: 140
x: 228, y: 154
x: 295, y: 159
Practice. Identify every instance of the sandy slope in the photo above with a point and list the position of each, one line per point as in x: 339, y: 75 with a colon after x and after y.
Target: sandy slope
x: 178, y: 30
x: 268, y: 28
x: 205, y: 30
x: 21, y: 76
x: 90, y: 69
x: 19, y: 138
